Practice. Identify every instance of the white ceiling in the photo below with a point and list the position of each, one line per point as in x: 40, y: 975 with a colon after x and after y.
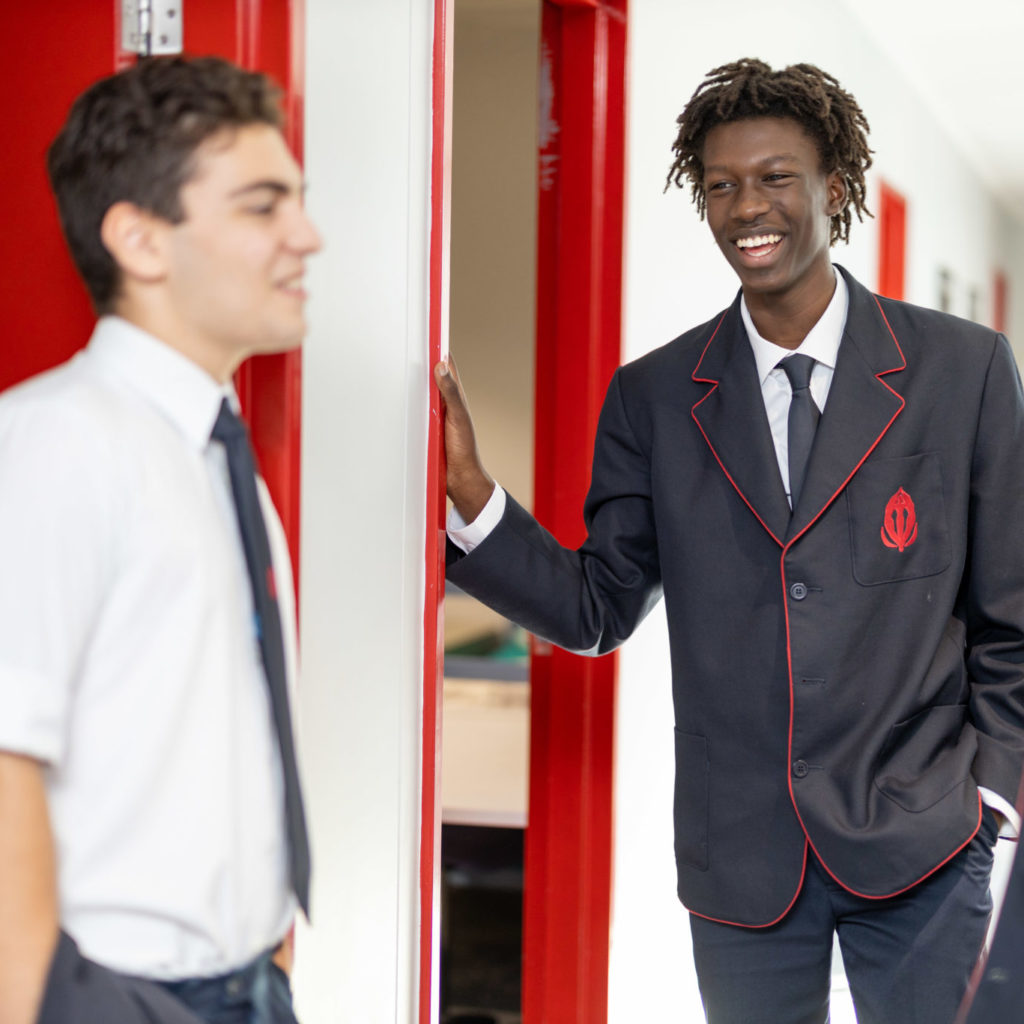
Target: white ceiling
x: 964, y: 58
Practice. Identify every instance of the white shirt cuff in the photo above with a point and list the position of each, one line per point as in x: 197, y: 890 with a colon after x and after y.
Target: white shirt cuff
x: 1011, y: 828
x: 468, y: 535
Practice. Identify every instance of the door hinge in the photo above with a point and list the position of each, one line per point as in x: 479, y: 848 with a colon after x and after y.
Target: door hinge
x: 151, y: 27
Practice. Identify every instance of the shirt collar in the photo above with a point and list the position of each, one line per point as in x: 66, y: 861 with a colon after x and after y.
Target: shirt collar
x: 183, y: 392
x: 821, y: 343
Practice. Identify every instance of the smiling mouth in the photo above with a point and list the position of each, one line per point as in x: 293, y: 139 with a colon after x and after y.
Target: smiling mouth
x: 293, y: 286
x: 758, y: 246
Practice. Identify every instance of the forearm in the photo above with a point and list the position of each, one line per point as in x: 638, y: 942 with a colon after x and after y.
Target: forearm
x: 572, y: 599
x: 28, y: 891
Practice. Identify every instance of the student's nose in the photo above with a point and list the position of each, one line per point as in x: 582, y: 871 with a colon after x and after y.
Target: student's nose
x: 750, y: 202
x: 304, y: 236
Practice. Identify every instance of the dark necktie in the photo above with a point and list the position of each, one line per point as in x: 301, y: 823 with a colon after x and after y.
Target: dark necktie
x: 231, y: 432
x: 803, y: 420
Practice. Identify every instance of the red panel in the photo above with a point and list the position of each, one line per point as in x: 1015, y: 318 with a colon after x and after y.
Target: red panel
x: 892, y: 242
x: 433, y: 611
x: 46, y: 310
x: 45, y: 305
x: 266, y: 35
x: 1000, y: 302
x: 579, y: 282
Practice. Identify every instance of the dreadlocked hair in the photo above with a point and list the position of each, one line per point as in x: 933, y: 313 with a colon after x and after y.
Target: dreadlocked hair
x: 802, y: 92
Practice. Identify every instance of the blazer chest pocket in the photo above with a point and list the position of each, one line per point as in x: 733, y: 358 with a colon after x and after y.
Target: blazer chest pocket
x: 898, y: 528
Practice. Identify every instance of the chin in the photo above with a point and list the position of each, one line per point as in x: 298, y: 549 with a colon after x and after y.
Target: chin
x: 283, y: 341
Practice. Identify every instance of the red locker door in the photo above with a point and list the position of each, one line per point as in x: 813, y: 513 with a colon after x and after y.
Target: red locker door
x: 50, y: 52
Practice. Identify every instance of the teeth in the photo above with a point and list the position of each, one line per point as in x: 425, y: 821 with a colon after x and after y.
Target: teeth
x: 751, y: 243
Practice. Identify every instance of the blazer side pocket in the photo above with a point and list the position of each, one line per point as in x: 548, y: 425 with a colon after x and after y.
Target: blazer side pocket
x: 898, y: 528
x: 690, y: 804
x: 926, y: 757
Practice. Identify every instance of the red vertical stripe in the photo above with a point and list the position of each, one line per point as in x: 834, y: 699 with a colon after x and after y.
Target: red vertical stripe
x: 267, y: 35
x: 567, y: 900
x: 433, y: 611
x: 1000, y: 302
x: 892, y: 242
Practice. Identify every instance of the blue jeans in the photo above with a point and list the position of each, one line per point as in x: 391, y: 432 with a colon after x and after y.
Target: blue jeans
x: 258, y: 993
x: 907, y: 958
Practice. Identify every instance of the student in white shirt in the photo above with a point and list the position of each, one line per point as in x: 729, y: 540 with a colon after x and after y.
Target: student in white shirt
x: 144, y: 855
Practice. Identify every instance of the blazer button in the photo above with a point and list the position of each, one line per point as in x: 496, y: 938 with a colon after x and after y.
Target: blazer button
x: 800, y: 769
x: 798, y: 591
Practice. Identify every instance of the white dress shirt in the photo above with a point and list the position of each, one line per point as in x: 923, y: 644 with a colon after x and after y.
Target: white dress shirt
x: 129, y: 662
x: 822, y: 344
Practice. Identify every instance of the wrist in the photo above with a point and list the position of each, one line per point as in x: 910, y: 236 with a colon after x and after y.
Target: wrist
x: 470, y: 494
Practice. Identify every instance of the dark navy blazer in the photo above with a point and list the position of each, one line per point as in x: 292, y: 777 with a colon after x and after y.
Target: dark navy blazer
x: 844, y: 677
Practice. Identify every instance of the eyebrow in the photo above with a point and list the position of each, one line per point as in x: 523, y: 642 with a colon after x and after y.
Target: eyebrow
x: 271, y: 184
x: 778, y: 158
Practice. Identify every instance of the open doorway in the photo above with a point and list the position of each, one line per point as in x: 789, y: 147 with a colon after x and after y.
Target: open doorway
x: 578, y: 87
x: 485, y: 757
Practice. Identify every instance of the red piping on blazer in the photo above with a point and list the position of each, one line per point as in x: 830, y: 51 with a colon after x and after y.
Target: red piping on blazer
x: 693, y: 414
x: 789, y: 651
x: 789, y: 654
x: 789, y: 906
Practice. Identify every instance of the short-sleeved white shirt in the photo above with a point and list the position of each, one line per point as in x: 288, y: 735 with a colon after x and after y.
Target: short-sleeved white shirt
x: 129, y: 662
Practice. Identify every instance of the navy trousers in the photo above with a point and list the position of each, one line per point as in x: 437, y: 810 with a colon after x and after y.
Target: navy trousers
x: 908, y: 958
x: 256, y: 994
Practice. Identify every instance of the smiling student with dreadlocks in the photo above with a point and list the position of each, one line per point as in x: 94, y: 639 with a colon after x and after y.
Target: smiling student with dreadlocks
x: 828, y: 489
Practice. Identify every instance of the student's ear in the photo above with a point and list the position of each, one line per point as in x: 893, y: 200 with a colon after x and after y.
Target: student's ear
x: 836, y: 186
x: 136, y: 239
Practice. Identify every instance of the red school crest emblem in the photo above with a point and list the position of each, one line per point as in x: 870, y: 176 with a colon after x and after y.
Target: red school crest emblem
x: 899, y: 525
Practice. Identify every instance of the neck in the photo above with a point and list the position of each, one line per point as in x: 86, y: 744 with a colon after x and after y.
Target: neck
x: 786, y: 318
x: 219, y: 364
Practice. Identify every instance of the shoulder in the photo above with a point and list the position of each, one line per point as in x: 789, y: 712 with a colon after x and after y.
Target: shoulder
x: 68, y: 418
x: 666, y: 366
x: 67, y: 396
x: 942, y: 346
x: 919, y: 322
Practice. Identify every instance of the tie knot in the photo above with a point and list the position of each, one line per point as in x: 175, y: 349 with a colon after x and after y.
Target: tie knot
x: 228, y: 427
x: 798, y: 370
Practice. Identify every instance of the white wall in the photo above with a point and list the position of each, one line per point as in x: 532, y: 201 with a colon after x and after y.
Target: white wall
x: 365, y: 393
x: 675, y: 278
x: 365, y: 378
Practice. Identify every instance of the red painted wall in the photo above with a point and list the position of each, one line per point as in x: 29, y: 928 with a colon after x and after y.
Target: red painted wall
x: 50, y: 52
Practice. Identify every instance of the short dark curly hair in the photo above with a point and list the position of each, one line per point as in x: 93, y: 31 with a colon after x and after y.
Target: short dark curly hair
x: 132, y: 136
x: 802, y: 92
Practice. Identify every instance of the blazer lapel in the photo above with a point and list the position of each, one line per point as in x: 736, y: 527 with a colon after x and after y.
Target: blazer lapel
x: 732, y: 418
x: 862, y: 405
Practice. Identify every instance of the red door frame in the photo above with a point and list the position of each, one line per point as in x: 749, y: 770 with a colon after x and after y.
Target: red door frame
x: 567, y: 901
x: 270, y: 37
x: 567, y: 898
x: 892, y: 242
x: 433, y: 611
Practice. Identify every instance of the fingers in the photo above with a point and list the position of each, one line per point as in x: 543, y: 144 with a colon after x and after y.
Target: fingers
x: 469, y: 485
x: 446, y: 374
